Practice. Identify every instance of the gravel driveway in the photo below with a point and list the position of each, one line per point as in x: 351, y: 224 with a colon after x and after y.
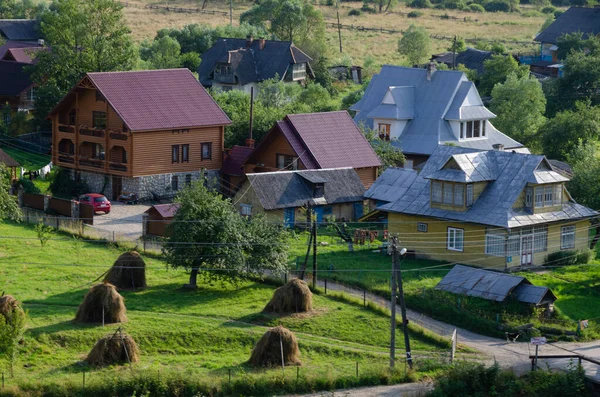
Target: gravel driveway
x: 124, y: 222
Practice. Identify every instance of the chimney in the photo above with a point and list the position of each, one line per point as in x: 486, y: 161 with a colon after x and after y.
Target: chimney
x: 430, y: 70
x: 250, y: 142
x: 249, y: 40
x: 498, y: 146
x: 261, y: 43
x: 41, y: 42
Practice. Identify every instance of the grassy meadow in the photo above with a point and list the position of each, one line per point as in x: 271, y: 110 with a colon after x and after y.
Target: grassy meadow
x: 201, y: 334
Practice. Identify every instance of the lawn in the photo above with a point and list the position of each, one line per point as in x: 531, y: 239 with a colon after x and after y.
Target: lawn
x: 28, y: 160
x: 203, y: 334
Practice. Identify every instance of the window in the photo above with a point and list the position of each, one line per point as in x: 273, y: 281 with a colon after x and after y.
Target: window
x: 462, y: 130
x: 408, y: 164
x: 448, y: 194
x: 421, y: 227
x: 174, y: 183
x: 469, y: 195
x: 224, y: 70
x: 472, y: 129
x: 384, y: 131
x: 31, y: 94
x: 318, y: 190
x: 469, y: 129
x: 494, y: 242
x: 185, y: 153
x: 124, y: 156
x: 124, y: 127
x: 328, y: 210
x: 99, y: 96
x: 188, y: 179
x: 73, y: 117
x: 483, y: 124
x: 513, y: 246
x: 528, y: 197
x: 436, y: 192
x: 99, y: 120
x: 245, y: 210
x: 558, y: 194
x: 548, y: 196
x: 284, y: 161
x: 299, y: 71
x: 459, y: 195
x: 476, y: 128
x: 98, y: 151
x: 206, y: 151
x: 455, y: 239
x: 540, y: 238
x: 539, y: 197
x: 567, y: 237
x: 175, y: 154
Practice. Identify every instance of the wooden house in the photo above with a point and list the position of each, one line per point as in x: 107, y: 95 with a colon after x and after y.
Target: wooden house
x: 158, y: 217
x: 283, y: 196
x: 492, y: 209
x: 315, y: 141
x: 146, y: 132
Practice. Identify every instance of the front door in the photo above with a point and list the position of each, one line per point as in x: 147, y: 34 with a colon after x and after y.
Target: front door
x: 289, y: 217
x: 526, y: 250
x: 117, y: 187
x: 319, y: 214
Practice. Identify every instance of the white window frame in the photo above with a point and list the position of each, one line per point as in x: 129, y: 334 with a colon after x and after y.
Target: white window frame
x: 558, y: 194
x: 548, y: 194
x: 456, y: 243
x: 448, y: 196
x: 469, y: 195
x: 437, y: 194
x: 567, y: 237
x: 422, y: 227
x: 529, y: 197
x: 299, y: 71
x: 539, y: 197
x: 495, y: 243
x: 245, y: 210
x: 540, y: 238
x: 459, y: 193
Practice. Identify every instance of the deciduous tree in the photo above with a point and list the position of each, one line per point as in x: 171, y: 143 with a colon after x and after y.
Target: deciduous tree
x: 584, y: 186
x: 497, y: 69
x: 415, y: 45
x: 390, y: 155
x: 9, y: 208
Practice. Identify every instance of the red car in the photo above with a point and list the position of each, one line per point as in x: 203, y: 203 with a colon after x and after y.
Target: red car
x: 98, y: 201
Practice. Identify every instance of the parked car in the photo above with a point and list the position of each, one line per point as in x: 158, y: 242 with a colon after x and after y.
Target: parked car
x: 98, y: 201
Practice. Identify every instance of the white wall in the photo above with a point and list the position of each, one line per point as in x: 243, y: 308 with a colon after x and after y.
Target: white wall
x: 472, y: 98
x: 396, y: 129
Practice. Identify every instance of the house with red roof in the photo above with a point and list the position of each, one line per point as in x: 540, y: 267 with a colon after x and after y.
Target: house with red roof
x: 16, y: 87
x: 147, y: 132
x: 315, y: 141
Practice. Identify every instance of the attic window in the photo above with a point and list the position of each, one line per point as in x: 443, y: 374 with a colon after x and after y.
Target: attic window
x: 99, y: 96
x: 318, y: 190
x: 472, y: 129
x: 384, y: 131
x: 224, y: 70
x: 299, y: 71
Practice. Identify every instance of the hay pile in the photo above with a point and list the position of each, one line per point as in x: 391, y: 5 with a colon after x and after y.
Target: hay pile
x: 293, y: 297
x: 102, y: 298
x: 128, y: 272
x: 118, y: 348
x: 8, y: 305
x: 267, y: 352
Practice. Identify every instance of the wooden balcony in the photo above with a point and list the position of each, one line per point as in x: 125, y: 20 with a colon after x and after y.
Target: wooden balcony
x: 118, y: 136
x: 93, y: 132
x: 70, y: 129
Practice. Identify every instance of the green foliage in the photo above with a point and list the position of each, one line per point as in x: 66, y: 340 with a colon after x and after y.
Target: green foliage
x: 28, y: 186
x: 570, y: 257
x: 389, y: 155
x: 497, y: 69
x: 163, y: 53
x: 457, y: 45
x: 547, y: 22
x: 584, y: 186
x: 519, y: 104
x: 473, y: 7
x: 21, y: 9
x: 63, y: 185
x: 239, y: 249
x: 549, y: 10
x: 497, y: 6
x: 471, y: 73
x: 414, y: 14
x: 415, y: 45
x: 190, y: 60
x: 9, y: 209
x: 420, y: 4
x: 44, y: 233
x: 12, y: 327
x: 355, y: 12
x: 569, y: 42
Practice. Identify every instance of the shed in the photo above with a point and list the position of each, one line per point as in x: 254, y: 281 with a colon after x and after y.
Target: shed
x: 495, y: 286
x: 10, y: 163
x: 159, y: 217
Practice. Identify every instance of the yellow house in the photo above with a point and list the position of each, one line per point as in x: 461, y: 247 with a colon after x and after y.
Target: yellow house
x: 493, y: 208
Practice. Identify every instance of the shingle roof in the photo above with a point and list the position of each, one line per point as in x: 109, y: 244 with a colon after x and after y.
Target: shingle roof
x: 575, y: 19
x: 233, y: 164
x: 13, y: 78
x: 494, y: 206
x: 19, y: 29
x: 7, y: 160
x: 9, y: 44
x: 164, y: 210
x: 287, y: 189
x: 388, y: 185
x: 251, y: 64
x: 22, y: 54
x: 430, y: 126
x: 472, y: 58
x: 158, y: 99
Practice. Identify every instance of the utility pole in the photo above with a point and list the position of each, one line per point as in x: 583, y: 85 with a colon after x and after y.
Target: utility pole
x: 230, y: 12
x: 251, y: 109
x: 337, y: 8
x: 314, y: 241
x: 308, y: 227
x: 454, y: 53
x: 397, y: 279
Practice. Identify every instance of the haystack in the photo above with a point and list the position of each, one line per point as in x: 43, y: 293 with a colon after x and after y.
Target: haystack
x: 267, y: 352
x: 102, y: 301
x: 128, y: 271
x: 8, y: 304
x: 293, y: 297
x: 117, y: 348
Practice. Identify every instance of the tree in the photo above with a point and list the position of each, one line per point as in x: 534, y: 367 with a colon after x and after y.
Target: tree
x: 415, y: 45
x: 163, y: 53
x: 584, y: 186
x: 190, y: 60
x: 570, y: 128
x: 9, y: 209
x: 85, y: 36
x: 497, y: 69
x: 390, y: 155
x: 211, y: 240
x: 12, y: 327
x: 519, y: 104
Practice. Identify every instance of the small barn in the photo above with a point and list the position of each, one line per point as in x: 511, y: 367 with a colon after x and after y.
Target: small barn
x: 158, y: 217
x: 495, y: 286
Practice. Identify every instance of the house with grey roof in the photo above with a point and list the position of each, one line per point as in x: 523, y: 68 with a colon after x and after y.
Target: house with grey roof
x: 19, y: 29
x: 471, y: 58
x: 283, y: 195
x: 421, y: 109
x: 487, y: 208
x: 233, y: 63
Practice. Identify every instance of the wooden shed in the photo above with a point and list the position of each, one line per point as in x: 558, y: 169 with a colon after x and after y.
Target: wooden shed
x: 159, y: 217
x: 10, y: 163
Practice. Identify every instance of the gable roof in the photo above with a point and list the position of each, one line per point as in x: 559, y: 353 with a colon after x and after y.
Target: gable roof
x: 250, y: 63
x: 11, y: 44
x: 234, y: 162
x: 14, y: 79
x: 575, y: 19
x: 389, y: 185
x: 164, y: 210
x: 7, y: 160
x: 157, y: 99
x: 288, y: 189
x: 22, y: 54
x: 472, y: 58
x: 433, y: 98
x: 19, y: 29
x: 509, y: 172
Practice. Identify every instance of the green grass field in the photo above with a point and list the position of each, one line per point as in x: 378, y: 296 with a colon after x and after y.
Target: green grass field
x: 28, y: 160
x: 202, y: 334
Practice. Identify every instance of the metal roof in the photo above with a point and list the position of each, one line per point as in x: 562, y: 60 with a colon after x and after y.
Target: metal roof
x: 472, y: 58
x: 19, y: 29
x: 388, y: 186
x: 533, y: 294
x: 575, y: 19
x: 14, y: 78
x: 164, y: 210
x: 234, y: 162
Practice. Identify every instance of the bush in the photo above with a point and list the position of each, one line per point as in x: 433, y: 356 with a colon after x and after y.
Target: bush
x: 355, y: 12
x: 532, y: 14
x: 62, y: 184
x: 497, y: 6
x: 368, y: 10
x: 558, y: 13
x: 455, y: 5
x: 28, y: 186
x: 549, y: 10
x: 585, y: 256
x: 570, y: 257
x: 420, y: 4
x: 476, y: 8
x: 414, y: 14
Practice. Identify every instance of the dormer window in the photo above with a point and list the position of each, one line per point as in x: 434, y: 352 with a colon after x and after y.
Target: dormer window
x: 318, y: 190
x: 472, y: 129
x: 384, y: 131
x: 224, y: 70
x: 299, y: 71
x: 449, y: 193
x: 543, y: 196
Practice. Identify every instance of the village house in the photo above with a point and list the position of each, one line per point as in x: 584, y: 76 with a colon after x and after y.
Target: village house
x: 491, y: 208
x: 146, y: 132
x: 314, y: 141
x: 284, y: 195
x: 19, y: 30
x: 243, y: 63
x: 471, y: 58
x: 421, y: 109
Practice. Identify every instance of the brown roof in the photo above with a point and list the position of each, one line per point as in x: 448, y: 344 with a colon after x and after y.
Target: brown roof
x: 158, y: 99
x: 233, y: 164
x: 23, y: 55
x: 164, y: 210
x: 7, y: 160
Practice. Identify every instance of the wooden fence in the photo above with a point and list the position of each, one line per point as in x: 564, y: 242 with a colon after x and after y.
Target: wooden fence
x: 35, y: 201
x: 60, y: 206
x: 184, y: 10
x: 86, y: 213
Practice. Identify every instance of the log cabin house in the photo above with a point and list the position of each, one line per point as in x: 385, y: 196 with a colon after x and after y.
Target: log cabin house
x: 145, y: 132
x: 493, y: 208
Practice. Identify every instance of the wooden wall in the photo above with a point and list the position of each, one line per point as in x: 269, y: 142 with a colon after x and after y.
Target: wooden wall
x: 269, y: 151
x: 367, y: 175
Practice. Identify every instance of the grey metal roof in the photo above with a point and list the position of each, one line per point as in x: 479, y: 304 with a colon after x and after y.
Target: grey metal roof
x: 19, y: 29
x: 542, y: 177
x: 386, y: 188
x: 493, y: 285
x: 472, y: 167
x: 575, y: 19
x: 472, y: 58
x: 494, y: 206
x: 459, y: 110
x: 285, y: 189
x: 428, y: 127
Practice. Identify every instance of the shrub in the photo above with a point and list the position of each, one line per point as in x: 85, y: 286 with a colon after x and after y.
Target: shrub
x: 585, y: 256
x: 414, y: 14
x: 561, y: 258
x: 549, y: 10
x: 476, y: 8
x: 62, y: 184
x: 355, y: 12
x: 558, y: 13
x: 532, y: 14
x: 367, y: 9
x: 28, y: 186
x: 455, y: 4
x: 497, y: 6
x: 445, y: 16
x: 420, y: 4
